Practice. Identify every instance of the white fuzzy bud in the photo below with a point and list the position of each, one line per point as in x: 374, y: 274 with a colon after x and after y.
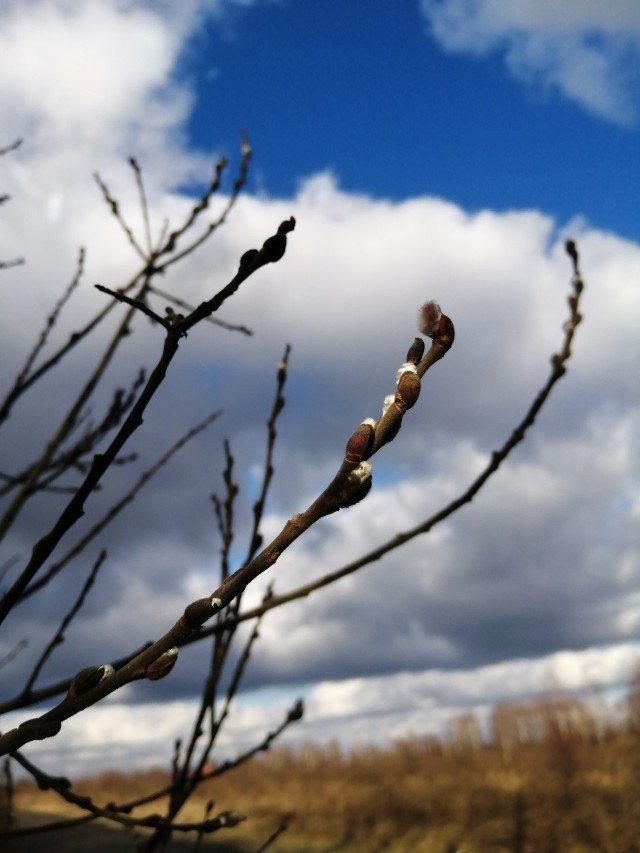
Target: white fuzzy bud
x: 360, y: 474
x: 388, y: 400
x: 407, y: 367
x: 429, y: 318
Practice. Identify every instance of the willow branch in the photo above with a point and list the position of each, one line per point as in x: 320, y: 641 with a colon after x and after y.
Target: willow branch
x: 58, y: 636
x: 272, y: 250
x: 113, y: 511
x: 558, y: 369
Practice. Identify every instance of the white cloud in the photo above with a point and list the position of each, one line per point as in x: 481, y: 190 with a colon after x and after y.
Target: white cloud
x: 586, y: 50
x: 538, y: 564
x: 407, y: 704
x: 80, y: 71
x: 351, y: 712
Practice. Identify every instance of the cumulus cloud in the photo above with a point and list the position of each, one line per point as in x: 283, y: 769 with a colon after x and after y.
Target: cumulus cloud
x: 587, y: 51
x: 541, y: 561
x: 60, y: 81
x: 350, y: 712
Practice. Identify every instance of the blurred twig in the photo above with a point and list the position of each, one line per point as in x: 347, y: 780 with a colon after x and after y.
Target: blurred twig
x: 558, y: 369
x: 58, y: 636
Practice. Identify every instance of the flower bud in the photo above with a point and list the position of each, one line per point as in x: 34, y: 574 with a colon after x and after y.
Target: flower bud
x: 274, y: 247
x: 287, y: 226
x: 445, y: 332
x: 408, y: 390
x: 296, y: 712
x: 88, y: 678
x: 42, y: 728
x: 248, y: 257
x: 407, y: 367
x: 416, y: 351
x: 227, y: 819
x: 354, y: 494
x: 163, y: 665
x: 85, y: 680
x: 571, y: 250
x: 358, y: 485
x: 428, y: 318
x: 360, y: 443
x: 196, y: 613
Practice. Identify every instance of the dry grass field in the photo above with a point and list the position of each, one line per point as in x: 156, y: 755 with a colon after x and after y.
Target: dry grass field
x: 568, y: 793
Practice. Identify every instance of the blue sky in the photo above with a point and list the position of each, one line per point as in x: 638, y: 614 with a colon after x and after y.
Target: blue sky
x: 365, y: 90
x: 428, y: 149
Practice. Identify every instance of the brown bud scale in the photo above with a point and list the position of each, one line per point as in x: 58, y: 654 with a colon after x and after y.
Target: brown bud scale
x: 408, y: 391
x: 359, y: 444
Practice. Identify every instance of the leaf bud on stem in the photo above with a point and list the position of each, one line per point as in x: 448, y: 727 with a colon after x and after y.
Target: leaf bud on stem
x: 408, y: 390
x: 274, y: 247
x: 163, y: 665
x: 296, y: 712
x: 360, y: 443
x: 88, y: 678
x: 436, y: 325
x: 416, y: 351
x: 198, y: 612
x: 357, y: 487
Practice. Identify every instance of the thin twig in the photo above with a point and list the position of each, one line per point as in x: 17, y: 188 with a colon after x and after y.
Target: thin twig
x: 115, y: 210
x: 13, y: 653
x: 202, y: 205
x: 272, y: 250
x: 143, y: 278
x: 16, y: 262
x: 72, y: 458
x: 255, y: 538
x: 134, y: 303
x: 558, y: 369
x: 143, y: 202
x: 113, y: 511
x: 58, y: 687
x: 187, y: 308
x: 282, y: 827
x: 51, y: 321
x: 62, y: 788
x: 58, y: 636
x: 11, y: 147
x: 74, y: 339
x: 295, y: 713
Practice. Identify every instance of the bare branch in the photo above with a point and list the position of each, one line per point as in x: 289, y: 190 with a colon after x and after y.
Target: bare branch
x: 134, y: 303
x: 255, y: 537
x: 74, y: 339
x: 11, y: 147
x: 143, y: 203
x: 115, y: 210
x: 58, y: 636
x: 270, y: 252
x: 97, y: 528
x: 62, y: 788
x: 50, y: 323
x: 203, y: 204
x: 295, y: 713
x: 558, y: 369
x: 282, y: 827
x: 187, y: 308
x: 13, y: 653
x: 16, y: 262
